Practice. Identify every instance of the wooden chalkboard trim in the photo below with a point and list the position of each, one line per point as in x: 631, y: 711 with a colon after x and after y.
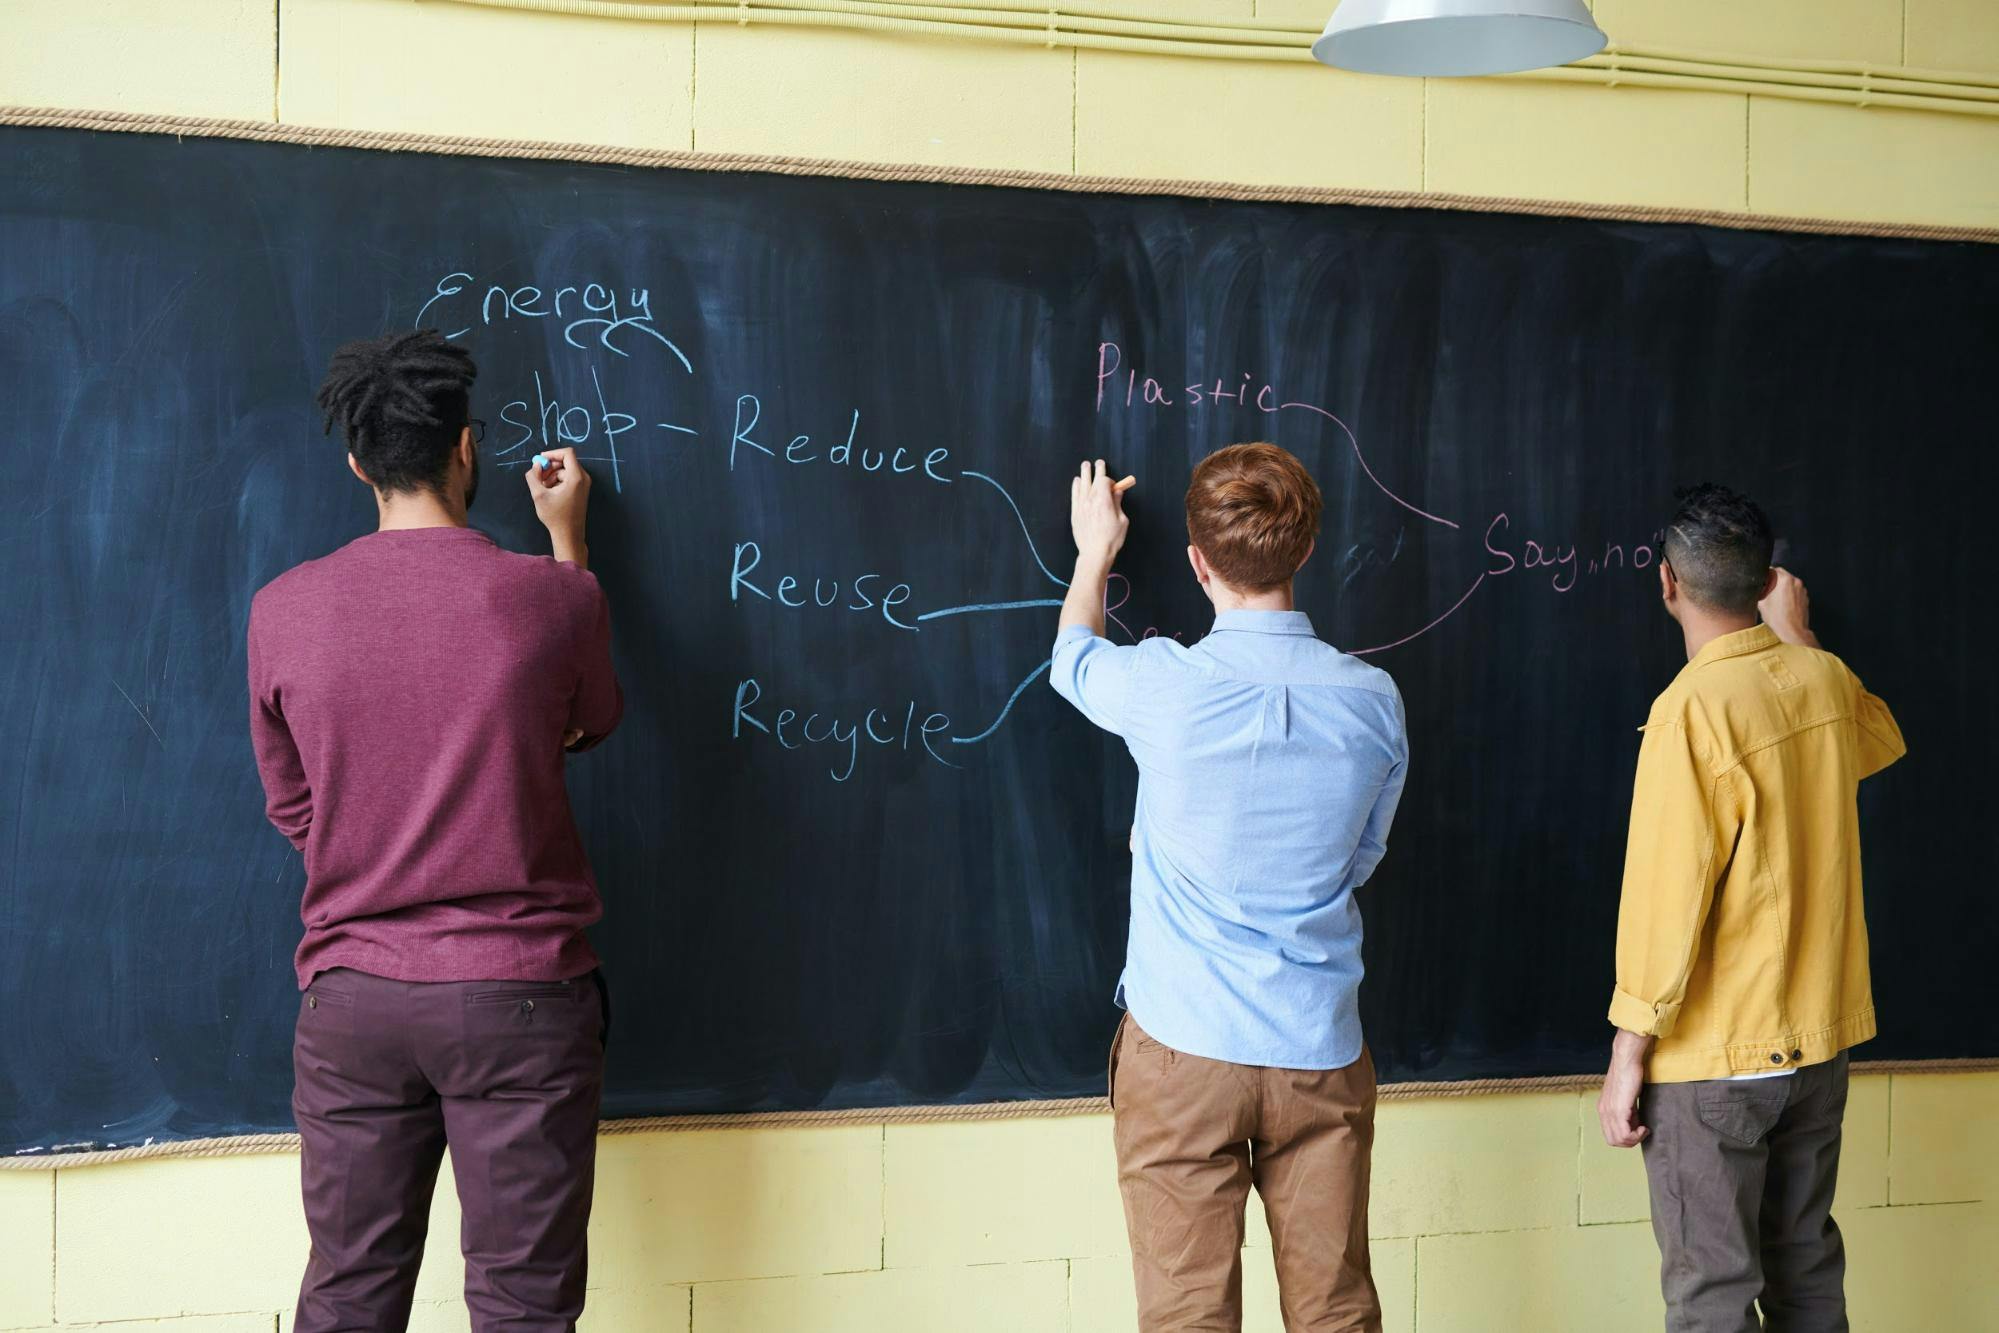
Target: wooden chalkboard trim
x: 245, y: 1145
x: 135, y: 122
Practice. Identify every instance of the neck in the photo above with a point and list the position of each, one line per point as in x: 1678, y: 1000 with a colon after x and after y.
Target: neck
x: 402, y: 510
x: 1702, y: 628
x: 1226, y: 598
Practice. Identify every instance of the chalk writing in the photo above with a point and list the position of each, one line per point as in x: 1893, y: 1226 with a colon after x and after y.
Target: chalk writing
x: 1565, y: 564
x: 1236, y: 390
x: 865, y: 593
x: 592, y: 309
x: 845, y: 453
x: 795, y: 730
x: 555, y: 425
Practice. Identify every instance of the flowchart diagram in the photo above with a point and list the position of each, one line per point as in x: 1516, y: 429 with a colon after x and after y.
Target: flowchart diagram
x: 568, y: 405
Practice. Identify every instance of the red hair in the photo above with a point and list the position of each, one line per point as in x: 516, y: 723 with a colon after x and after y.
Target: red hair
x: 1253, y: 511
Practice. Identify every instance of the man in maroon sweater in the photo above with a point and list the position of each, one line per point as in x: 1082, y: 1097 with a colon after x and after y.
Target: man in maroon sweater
x: 411, y: 698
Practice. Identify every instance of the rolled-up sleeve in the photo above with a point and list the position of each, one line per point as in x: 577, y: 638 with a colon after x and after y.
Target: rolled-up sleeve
x: 1094, y: 674
x: 1682, y: 830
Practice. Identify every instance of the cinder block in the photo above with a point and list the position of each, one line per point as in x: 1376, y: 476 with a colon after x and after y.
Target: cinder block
x: 217, y: 58
x: 1101, y: 1296
x: 653, y: 1309
x: 426, y: 1316
x: 440, y: 1317
x: 832, y: 93
x: 709, y: 1205
x: 1855, y: 31
x: 1815, y: 159
x: 624, y: 1309
x: 1613, y: 1179
x: 997, y: 1298
x: 1001, y: 1191
x: 1161, y: 116
x: 1925, y: 1268
x: 1940, y: 1147
x: 1256, y: 1225
x: 1474, y: 1164
x: 256, y: 1322
x: 1104, y: 1299
x: 1952, y: 35
x: 1646, y: 146
x: 1863, y: 1148
x: 178, y: 1236
x: 441, y: 1280
x: 27, y: 1259
x: 1395, y: 1282
x: 1567, y: 1280
x: 375, y: 64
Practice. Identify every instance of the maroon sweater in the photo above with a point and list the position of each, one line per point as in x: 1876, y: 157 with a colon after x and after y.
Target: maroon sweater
x: 408, y: 699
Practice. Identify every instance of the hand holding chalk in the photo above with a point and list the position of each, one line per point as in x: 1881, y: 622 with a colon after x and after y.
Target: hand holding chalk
x: 1096, y: 512
x: 1787, y: 608
x: 561, y: 490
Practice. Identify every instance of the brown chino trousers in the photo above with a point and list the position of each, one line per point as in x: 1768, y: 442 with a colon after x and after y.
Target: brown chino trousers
x: 1193, y: 1135
x: 510, y: 1073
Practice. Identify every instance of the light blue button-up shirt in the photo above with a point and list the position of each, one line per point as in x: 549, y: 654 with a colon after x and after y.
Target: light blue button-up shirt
x: 1269, y: 767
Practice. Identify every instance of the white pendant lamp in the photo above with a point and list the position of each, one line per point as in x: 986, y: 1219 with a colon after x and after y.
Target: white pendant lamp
x: 1450, y: 38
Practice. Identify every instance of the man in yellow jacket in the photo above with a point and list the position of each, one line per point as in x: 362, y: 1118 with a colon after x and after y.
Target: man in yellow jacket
x: 1741, y: 940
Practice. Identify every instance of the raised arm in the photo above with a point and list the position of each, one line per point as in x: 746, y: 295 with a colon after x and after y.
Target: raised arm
x: 1097, y: 521
x: 1787, y: 610
x: 1086, y: 668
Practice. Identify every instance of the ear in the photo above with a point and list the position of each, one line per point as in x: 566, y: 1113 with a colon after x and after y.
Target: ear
x: 354, y: 466
x: 1669, y: 587
x: 1200, y: 563
x: 467, y: 446
x: 1769, y: 584
x: 1308, y: 553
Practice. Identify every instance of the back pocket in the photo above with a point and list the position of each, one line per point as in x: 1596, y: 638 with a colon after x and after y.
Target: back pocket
x: 524, y: 991
x: 1744, y: 1112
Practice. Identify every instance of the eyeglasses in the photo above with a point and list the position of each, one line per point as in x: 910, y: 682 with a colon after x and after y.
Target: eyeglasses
x: 478, y: 430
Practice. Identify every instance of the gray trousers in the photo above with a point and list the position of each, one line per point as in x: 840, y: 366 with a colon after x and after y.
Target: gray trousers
x: 1742, y: 1175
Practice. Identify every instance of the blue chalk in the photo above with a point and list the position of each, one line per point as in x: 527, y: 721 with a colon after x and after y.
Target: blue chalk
x: 541, y: 462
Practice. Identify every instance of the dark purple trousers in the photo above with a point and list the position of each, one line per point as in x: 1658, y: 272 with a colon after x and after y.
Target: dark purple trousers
x: 510, y: 1074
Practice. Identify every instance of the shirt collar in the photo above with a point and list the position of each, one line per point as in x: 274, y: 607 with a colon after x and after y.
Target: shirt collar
x: 1755, y: 639
x: 1265, y: 622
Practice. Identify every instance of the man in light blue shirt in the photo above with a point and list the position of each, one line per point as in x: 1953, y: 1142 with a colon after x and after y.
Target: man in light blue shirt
x: 1270, y: 765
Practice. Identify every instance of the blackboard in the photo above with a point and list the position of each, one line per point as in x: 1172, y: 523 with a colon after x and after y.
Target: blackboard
x: 882, y: 386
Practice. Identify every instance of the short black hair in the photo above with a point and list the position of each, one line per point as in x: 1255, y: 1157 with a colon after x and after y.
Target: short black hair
x: 1719, y: 545
x: 401, y: 400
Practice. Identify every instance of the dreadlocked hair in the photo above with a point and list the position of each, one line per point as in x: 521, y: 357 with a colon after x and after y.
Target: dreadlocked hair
x: 401, y: 400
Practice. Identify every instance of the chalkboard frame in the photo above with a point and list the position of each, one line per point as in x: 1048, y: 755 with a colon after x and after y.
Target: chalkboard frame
x: 529, y: 150
x: 132, y: 122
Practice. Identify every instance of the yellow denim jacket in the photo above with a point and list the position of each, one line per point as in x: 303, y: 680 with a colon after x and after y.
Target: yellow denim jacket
x: 1741, y: 944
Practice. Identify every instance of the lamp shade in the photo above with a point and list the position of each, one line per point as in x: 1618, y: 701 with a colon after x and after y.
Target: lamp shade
x: 1448, y: 38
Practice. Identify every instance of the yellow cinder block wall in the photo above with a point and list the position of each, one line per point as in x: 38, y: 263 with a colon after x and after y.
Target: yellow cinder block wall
x: 1490, y: 1213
